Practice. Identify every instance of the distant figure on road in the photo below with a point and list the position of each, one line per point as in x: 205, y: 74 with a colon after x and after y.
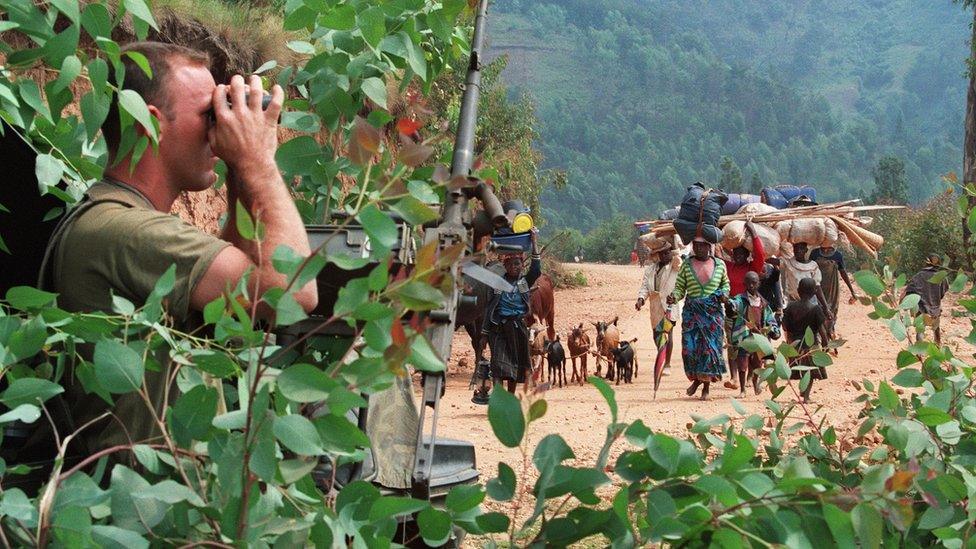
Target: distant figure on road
x: 702, y: 279
x: 831, y: 263
x: 801, y: 314
x: 931, y: 294
x: 795, y: 269
x: 659, y: 280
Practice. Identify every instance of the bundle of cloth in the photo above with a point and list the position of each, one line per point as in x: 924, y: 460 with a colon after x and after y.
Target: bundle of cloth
x: 698, y: 214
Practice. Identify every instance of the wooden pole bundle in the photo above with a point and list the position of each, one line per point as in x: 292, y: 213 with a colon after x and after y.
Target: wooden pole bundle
x: 844, y: 214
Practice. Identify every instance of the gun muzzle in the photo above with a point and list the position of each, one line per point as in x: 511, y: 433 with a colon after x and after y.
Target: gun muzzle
x: 493, y: 208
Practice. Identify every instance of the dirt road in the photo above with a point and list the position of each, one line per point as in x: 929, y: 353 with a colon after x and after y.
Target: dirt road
x: 579, y: 413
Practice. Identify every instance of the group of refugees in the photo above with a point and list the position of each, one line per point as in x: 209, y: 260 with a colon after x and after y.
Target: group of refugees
x: 727, y: 301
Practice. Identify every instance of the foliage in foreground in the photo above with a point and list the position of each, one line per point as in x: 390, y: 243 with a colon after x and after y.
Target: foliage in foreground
x: 252, y: 419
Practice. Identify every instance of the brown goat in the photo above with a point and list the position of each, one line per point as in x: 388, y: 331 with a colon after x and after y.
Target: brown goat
x: 579, y: 347
x: 537, y: 348
x: 607, y: 339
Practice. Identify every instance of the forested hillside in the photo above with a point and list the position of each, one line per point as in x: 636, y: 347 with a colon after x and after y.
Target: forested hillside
x: 638, y: 98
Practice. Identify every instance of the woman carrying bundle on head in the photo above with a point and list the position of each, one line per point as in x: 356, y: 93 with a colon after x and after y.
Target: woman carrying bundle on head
x: 703, y: 283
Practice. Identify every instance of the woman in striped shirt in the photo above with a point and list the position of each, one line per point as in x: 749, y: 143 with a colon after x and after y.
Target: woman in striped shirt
x: 704, y: 284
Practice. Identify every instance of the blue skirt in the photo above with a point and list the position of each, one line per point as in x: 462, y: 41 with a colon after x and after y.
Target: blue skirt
x: 702, y: 335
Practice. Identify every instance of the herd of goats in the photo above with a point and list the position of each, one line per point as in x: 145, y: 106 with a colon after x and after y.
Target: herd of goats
x: 545, y: 344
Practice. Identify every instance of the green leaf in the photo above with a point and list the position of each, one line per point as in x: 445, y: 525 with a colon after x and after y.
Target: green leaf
x: 608, y: 395
x: 245, y: 225
x: 16, y: 505
x: 423, y: 357
x: 113, y: 537
x: 131, y: 102
x: 734, y: 457
x: 505, y: 417
x: 868, y: 525
x: 949, y: 432
x: 537, y: 409
x: 372, y: 25
x: 664, y: 451
x: 870, y: 283
x: 28, y: 413
x: 298, y: 435
x: 97, y: 22
x: 898, y: 329
x: 551, y: 451
x: 821, y: 359
x: 959, y: 283
x: 908, y: 377
x: 375, y: 89
x: 29, y: 390
x: 420, y: 296
x: 342, y: 17
x: 905, y: 358
x: 213, y: 362
x: 414, y: 211
x: 910, y: 302
x: 932, y: 416
x: 382, y: 231
x: 170, y: 492
x: 305, y: 383
x: 192, y: 415
x: 887, y: 396
x: 464, y: 498
x: 493, y: 523
x: 26, y: 298
x: 502, y: 487
x: 390, y: 506
x: 48, y: 171
x: 840, y: 525
x: 141, y: 62
x: 128, y: 511
x: 140, y: 10
x: 301, y: 47
x: 118, y: 368
x: 435, y: 526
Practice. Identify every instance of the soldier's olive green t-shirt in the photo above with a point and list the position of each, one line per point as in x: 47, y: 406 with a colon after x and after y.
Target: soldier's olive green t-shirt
x: 122, y: 245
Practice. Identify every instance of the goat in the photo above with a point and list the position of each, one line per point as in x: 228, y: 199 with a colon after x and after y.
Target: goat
x: 579, y: 347
x: 607, y: 339
x: 556, y: 356
x: 626, y: 361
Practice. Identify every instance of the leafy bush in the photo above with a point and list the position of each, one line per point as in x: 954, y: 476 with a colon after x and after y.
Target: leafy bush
x: 912, y: 234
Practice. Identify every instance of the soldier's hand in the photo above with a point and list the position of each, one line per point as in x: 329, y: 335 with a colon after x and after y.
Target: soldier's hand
x: 244, y: 135
x: 639, y: 304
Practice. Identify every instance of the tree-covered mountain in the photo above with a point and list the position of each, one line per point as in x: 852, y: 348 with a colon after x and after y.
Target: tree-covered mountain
x: 638, y: 98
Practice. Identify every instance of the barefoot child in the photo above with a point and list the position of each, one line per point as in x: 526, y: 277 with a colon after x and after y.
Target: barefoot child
x: 801, y: 314
x: 752, y: 316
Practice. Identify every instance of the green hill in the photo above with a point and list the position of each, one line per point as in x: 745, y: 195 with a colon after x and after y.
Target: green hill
x: 637, y: 99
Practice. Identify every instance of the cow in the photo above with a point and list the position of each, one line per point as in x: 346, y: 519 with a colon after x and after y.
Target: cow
x: 556, y: 356
x: 626, y: 361
x: 579, y: 346
x: 542, y: 305
x: 607, y: 339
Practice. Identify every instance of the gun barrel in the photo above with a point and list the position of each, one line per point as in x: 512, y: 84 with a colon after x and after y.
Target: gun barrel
x: 463, y: 156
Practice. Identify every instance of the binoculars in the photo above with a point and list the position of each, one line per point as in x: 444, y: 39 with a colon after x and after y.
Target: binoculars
x: 265, y: 101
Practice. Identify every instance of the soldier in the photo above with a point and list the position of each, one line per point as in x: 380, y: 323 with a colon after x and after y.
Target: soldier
x: 121, y: 238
